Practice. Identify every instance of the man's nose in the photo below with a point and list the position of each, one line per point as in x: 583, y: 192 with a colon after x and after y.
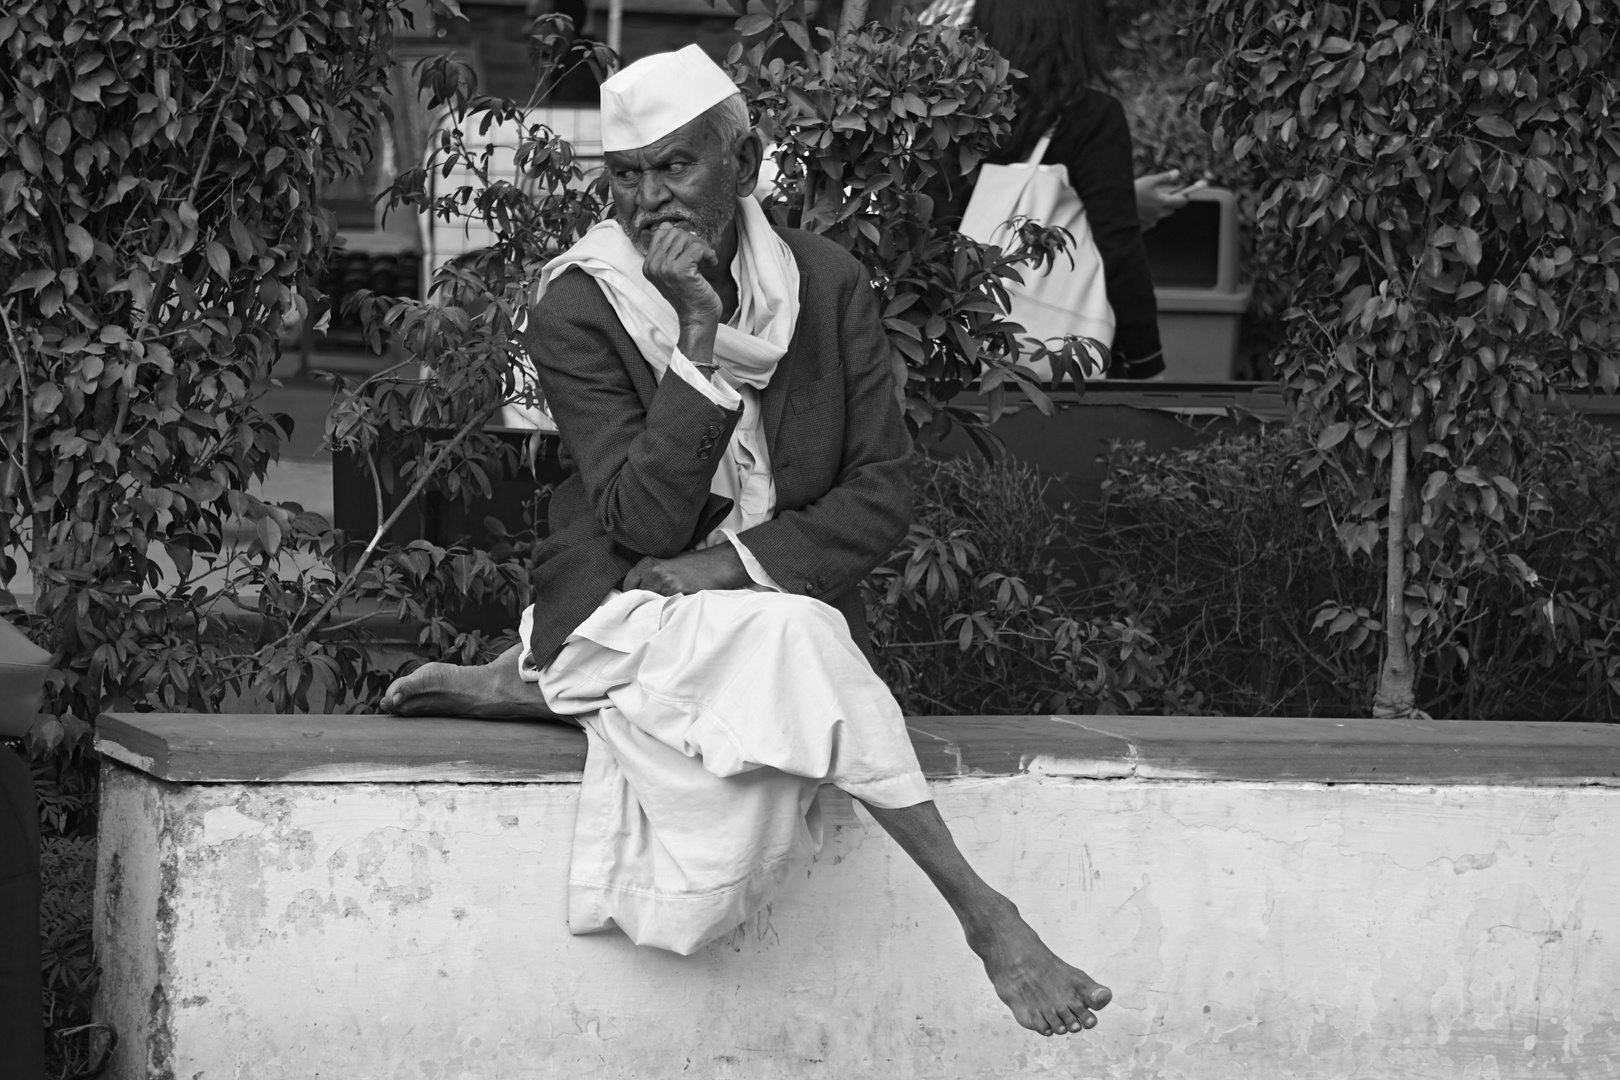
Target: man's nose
x: 651, y: 192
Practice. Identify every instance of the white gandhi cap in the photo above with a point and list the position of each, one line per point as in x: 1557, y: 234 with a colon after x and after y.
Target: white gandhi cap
x: 658, y: 94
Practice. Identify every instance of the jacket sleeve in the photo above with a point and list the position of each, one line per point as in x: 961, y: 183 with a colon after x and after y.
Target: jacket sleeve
x: 646, y: 470
x: 1099, y: 161
x: 825, y: 548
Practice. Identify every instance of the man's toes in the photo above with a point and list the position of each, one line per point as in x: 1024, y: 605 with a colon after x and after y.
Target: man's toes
x: 402, y: 692
x: 1033, y: 1019
x: 1094, y: 993
x: 1076, y: 1018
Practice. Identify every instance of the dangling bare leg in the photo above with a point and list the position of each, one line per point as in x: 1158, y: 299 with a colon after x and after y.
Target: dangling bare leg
x: 1044, y: 993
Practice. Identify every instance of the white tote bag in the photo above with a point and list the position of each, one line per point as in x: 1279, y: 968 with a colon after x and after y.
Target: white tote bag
x: 1062, y: 299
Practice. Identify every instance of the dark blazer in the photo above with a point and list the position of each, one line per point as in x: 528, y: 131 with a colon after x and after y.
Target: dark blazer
x: 1093, y: 139
x: 643, y: 452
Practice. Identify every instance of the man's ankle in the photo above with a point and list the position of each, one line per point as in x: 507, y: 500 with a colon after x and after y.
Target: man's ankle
x: 985, y: 915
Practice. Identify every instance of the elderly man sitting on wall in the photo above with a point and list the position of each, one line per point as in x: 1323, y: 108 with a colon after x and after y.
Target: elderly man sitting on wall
x: 725, y: 399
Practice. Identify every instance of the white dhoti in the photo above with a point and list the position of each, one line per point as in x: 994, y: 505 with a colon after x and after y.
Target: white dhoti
x: 711, y: 720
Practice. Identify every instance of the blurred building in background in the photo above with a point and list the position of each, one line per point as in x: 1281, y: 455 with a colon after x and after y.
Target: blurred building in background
x: 397, y: 253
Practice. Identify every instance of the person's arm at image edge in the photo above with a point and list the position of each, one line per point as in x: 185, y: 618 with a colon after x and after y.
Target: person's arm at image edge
x: 1101, y: 175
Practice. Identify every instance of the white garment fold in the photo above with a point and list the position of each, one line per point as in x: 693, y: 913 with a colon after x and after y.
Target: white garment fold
x: 711, y: 720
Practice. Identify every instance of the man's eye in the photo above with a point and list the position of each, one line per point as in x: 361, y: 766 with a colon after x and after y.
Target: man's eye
x: 625, y: 176
x: 676, y: 168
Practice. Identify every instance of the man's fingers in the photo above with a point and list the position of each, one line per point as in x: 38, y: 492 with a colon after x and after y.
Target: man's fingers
x: 652, y: 575
x: 677, y: 248
x: 632, y: 580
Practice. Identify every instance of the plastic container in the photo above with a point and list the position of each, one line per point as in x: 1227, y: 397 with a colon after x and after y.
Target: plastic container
x: 1194, y: 257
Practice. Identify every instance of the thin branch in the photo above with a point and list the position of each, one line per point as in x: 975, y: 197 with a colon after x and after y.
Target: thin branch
x: 27, y: 437
x: 156, y: 300
x: 416, y: 488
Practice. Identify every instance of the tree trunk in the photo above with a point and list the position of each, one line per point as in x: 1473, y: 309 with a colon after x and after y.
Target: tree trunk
x: 852, y: 18
x: 1396, y: 698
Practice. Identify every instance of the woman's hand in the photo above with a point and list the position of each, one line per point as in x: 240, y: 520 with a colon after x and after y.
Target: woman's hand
x: 1158, y: 196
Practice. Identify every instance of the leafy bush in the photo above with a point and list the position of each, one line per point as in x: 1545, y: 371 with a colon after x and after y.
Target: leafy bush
x: 980, y: 611
x: 1442, y: 181
x: 1259, y: 606
x: 160, y: 166
x: 67, y: 881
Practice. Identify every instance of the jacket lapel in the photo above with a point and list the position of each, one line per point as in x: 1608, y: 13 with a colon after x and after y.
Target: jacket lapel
x: 791, y: 371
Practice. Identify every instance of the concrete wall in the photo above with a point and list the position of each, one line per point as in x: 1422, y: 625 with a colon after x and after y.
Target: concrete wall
x: 402, y: 917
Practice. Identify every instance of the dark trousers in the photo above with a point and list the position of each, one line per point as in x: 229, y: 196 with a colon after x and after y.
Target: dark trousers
x: 22, y: 1035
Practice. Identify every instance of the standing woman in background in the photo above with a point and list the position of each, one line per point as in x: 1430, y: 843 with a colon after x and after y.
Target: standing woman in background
x: 1050, y: 41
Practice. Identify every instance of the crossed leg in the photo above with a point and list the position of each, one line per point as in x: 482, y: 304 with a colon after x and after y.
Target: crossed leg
x: 1044, y: 993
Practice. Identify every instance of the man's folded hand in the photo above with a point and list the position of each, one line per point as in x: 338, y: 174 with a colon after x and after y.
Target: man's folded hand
x: 716, y: 567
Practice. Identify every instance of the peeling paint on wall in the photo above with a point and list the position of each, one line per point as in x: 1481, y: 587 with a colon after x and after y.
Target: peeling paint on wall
x: 415, y: 932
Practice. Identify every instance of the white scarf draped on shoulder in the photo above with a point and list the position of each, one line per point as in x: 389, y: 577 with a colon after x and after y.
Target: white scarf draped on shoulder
x: 767, y: 293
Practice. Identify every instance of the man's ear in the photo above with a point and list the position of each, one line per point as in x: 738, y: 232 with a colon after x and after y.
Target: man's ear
x: 750, y: 152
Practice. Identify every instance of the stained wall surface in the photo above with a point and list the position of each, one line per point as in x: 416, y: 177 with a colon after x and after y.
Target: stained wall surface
x: 1280, y: 928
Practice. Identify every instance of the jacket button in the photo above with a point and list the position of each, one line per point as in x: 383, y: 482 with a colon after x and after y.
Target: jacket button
x: 703, y: 453
x: 714, y: 431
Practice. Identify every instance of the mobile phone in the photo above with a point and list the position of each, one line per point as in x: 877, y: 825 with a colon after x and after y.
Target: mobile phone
x: 1196, y: 185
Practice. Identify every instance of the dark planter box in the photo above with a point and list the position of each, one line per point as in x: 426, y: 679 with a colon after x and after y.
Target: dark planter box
x: 1071, y: 446
x: 442, y: 520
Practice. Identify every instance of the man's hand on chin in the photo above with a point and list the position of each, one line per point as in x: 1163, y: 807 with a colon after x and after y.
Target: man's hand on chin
x: 716, y: 567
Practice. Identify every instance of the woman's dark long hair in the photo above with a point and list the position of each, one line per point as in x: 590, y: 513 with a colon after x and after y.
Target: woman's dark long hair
x: 1050, y: 41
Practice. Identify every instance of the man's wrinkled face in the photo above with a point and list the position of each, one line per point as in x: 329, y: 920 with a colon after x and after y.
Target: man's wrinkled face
x: 687, y: 178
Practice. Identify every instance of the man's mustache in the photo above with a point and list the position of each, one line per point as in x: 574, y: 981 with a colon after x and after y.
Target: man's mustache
x: 643, y: 223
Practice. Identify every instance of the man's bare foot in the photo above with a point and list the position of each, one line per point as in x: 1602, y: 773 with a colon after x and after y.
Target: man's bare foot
x: 494, y: 690
x: 1044, y: 993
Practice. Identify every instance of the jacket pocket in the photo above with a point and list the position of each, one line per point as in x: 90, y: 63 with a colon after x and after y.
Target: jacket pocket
x: 813, y: 395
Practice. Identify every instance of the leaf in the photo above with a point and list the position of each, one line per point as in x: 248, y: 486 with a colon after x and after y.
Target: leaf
x: 750, y: 25
x: 219, y: 259
x: 241, y: 239
x: 79, y: 242
x: 1333, y: 435
x: 28, y: 154
x: 58, y: 135
x: 1496, y: 125
x: 33, y: 279
x: 1433, y: 485
x: 269, y: 534
x: 1469, y: 246
x: 46, y: 398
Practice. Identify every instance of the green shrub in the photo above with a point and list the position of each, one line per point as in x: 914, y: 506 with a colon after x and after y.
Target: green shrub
x: 980, y: 611
x: 1260, y: 607
x: 1441, y: 179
